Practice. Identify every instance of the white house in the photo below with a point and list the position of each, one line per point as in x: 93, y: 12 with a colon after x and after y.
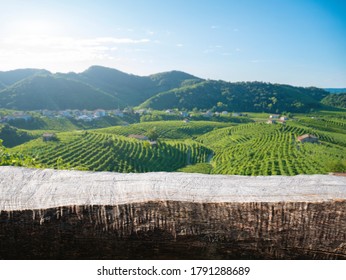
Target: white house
x: 100, y: 113
x: 274, y: 116
x: 207, y: 114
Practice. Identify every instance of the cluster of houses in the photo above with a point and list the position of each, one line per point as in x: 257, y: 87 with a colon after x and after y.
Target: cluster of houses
x: 210, y: 114
x: 85, y: 115
x: 89, y: 115
x: 15, y: 116
x: 207, y: 114
x: 305, y: 138
x: 276, y: 118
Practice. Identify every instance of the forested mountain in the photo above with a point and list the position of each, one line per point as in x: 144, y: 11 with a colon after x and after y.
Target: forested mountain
x: 335, y: 100
x: 10, y: 77
x: 130, y: 89
x: 244, y: 96
x: 101, y: 87
x: 54, y: 93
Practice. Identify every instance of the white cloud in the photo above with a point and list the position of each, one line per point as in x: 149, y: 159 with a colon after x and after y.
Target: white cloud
x: 42, y: 51
x: 258, y: 61
x: 118, y: 40
x: 179, y: 45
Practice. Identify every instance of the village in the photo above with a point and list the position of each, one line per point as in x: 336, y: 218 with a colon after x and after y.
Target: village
x: 85, y: 115
x: 90, y: 115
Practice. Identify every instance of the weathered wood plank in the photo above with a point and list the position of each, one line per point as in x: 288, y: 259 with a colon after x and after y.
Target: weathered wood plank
x: 86, y: 215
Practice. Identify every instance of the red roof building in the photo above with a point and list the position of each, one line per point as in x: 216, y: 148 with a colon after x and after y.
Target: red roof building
x: 307, y: 138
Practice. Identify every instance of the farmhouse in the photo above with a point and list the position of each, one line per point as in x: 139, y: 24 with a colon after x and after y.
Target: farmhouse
x: 274, y: 116
x: 307, y: 138
x: 207, y: 114
x: 271, y: 121
x: 49, y: 137
x: 139, y: 137
x: 141, y: 112
x: 100, y: 113
x: 118, y: 113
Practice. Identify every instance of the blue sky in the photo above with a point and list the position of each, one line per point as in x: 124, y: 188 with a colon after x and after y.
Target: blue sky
x: 298, y: 42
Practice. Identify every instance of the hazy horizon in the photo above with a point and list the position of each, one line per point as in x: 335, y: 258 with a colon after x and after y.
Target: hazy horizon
x: 300, y: 43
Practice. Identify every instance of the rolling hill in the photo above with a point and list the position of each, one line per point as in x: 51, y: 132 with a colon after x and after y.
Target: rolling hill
x: 111, y: 152
x: 8, y: 78
x: 244, y: 96
x: 101, y: 87
x: 205, y: 147
x: 54, y: 93
x: 335, y: 100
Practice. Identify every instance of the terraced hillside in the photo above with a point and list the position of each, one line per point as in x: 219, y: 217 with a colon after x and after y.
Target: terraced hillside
x: 167, y: 129
x: 106, y: 152
x: 263, y: 149
x: 201, y: 147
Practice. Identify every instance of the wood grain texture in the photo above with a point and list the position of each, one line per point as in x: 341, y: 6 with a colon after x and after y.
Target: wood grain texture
x: 85, y: 215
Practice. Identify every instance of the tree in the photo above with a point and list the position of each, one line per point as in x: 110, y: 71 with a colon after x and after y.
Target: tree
x: 152, y: 134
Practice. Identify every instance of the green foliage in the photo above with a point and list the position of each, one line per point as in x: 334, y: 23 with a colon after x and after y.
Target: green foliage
x: 336, y: 166
x: 203, y: 168
x: 15, y: 158
x: 97, y: 87
x: 335, y: 100
x: 105, y: 152
x: 254, y: 97
x: 152, y: 134
x: 12, y: 136
x: 101, y: 87
x: 167, y: 129
x: 262, y: 149
x: 54, y: 93
x: 9, y: 78
x: 67, y: 124
x: 204, y: 147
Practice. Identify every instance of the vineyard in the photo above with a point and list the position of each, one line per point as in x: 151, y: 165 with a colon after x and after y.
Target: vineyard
x: 106, y: 152
x: 200, y: 146
x: 262, y: 149
x: 167, y: 129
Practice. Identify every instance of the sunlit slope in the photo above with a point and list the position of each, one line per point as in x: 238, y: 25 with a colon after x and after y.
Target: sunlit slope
x: 167, y: 129
x: 263, y: 149
x: 106, y: 152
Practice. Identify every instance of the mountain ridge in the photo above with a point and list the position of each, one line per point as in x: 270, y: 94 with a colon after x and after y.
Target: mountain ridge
x: 107, y: 88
